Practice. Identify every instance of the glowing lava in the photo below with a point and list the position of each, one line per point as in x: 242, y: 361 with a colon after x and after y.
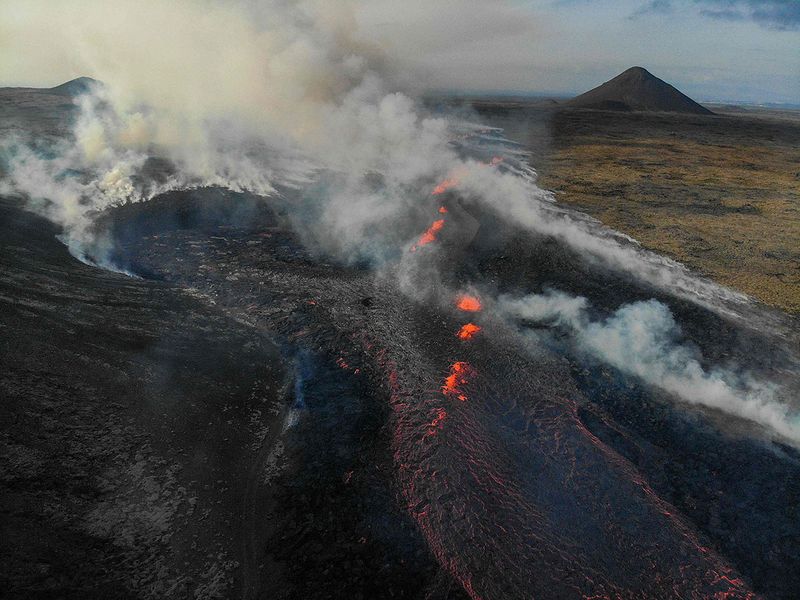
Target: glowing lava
x: 436, y: 424
x: 468, y: 331
x: 456, y: 174
x: 429, y: 235
x: 460, y: 374
x: 469, y: 303
x: 444, y: 186
x: 442, y: 210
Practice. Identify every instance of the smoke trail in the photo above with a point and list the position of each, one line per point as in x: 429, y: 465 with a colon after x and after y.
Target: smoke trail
x: 642, y: 339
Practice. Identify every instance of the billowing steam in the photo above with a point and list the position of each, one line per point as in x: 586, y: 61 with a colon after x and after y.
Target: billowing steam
x: 266, y: 96
x: 231, y: 94
x: 293, y: 98
x: 642, y: 339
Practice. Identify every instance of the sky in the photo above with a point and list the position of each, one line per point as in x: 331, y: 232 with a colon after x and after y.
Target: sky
x: 713, y: 50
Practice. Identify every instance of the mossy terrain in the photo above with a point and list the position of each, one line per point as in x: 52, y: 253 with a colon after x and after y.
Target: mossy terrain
x: 719, y: 193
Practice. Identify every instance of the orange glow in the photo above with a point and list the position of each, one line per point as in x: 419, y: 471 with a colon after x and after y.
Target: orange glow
x: 469, y: 303
x: 460, y: 373
x: 444, y: 186
x: 442, y: 210
x: 429, y: 235
x: 441, y: 415
x: 468, y: 330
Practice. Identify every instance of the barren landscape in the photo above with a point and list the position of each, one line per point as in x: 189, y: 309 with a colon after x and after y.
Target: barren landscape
x: 310, y: 300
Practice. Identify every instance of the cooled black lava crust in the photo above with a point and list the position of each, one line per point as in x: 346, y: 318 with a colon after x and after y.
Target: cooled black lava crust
x: 253, y: 419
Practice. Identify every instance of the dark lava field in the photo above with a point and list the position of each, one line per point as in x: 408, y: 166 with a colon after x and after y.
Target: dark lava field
x: 243, y: 416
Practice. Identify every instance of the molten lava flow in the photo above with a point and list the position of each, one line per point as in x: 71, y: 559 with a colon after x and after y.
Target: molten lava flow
x: 442, y: 210
x: 429, y: 235
x: 460, y: 374
x: 468, y: 331
x: 436, y: 424
x: 444, y: 186
x: 469, y: 303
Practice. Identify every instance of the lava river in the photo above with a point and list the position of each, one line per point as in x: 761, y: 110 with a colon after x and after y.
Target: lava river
x: 512, y: 492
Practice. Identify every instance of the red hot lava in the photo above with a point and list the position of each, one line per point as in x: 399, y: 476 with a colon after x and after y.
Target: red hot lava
x: 455, y: 176
x: 436, y: 424
x: 460, y: 374
x: 468, y: 331
x: 442, y: 210
x: 444, y: 186
x: 468, y: 303
x: 429, y: 235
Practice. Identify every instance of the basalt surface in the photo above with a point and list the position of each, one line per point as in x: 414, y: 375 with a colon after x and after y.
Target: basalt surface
x: 145, y: 444
x: 488, y: 467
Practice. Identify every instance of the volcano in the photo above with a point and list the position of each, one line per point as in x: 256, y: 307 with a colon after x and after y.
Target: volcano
x: 638, y: 90
x: 234, y: 410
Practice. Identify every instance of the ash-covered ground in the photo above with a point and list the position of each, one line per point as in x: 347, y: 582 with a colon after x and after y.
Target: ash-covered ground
x: 245, y: 416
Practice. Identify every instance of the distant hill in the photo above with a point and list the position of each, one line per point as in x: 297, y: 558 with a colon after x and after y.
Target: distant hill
x: 42, y: 112
x: 76, y: 87
x: 637, y: 89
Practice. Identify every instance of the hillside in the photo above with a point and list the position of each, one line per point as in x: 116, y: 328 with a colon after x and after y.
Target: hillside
x: 637, y: 90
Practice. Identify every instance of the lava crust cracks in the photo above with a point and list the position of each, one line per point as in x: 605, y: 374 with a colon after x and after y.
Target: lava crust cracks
x: 487, y: 450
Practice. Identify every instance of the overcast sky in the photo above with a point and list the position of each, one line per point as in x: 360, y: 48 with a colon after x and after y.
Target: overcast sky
x: 711, y: 49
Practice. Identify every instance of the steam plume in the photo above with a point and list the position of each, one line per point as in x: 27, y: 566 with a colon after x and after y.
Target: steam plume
x: 274, y: 95
x: 642, y: 339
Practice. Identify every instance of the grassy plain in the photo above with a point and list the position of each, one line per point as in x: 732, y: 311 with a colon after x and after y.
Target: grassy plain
x: 719, y: 193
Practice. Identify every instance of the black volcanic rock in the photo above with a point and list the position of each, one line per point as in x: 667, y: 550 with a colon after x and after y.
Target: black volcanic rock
x: 244, y: 427
x: 637, y: 89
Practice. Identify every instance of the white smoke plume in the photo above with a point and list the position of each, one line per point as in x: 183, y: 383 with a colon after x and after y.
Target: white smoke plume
x: 259, y: 96
x: 642, y: 339
x: 519, y: 200
x: 244, y: 96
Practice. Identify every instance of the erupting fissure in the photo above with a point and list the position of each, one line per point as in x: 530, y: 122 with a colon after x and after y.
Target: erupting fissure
x: 460, y: 374
x: 445, y: 185
x: 468, y: 303
x: 455, y: 177
x: 429, y: 235
x: 468, y: 331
